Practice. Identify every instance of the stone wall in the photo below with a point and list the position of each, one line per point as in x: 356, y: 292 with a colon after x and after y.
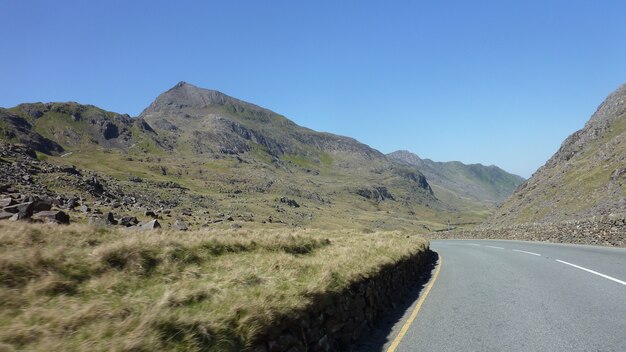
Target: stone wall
x: 336, y: 321
x: 605, y: 231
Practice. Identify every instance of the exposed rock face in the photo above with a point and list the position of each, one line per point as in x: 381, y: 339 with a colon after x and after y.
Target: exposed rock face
x: 584, y: 178
x: 487, y: 185
x: 379, y: 193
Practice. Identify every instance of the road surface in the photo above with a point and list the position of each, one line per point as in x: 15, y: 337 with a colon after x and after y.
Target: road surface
x: 518, y: 296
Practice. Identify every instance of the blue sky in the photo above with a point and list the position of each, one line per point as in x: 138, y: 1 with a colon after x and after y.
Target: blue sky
x: 495, y: 82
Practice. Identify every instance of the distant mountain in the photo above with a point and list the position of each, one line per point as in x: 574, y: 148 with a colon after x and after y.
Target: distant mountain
x: 586, y: 177
x: 459, y: 183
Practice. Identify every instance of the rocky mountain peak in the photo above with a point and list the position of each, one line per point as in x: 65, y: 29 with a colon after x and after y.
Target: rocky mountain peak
x: 406, y: 157
x: 612, y: 108
x: 189, y: 97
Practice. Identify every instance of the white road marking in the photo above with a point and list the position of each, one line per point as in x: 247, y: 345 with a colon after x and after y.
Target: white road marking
x: 593, y: 272
x: 472, y: 244
x: 494, y: 247
x: 532, y: 253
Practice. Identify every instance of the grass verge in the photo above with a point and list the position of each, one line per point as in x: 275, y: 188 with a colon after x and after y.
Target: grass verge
x: 79, y: 288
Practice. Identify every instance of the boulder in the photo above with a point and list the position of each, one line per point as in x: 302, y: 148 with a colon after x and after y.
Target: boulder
x: 151, y: 225
x: 42, y: 205
x: 5, y: 215
x: 128, y: 221
x: 53, y: 216
x: 18, y: 216
x: 180, y: 225
x: 110, y: 218
x: 5, y: 202
x: 24, y: 209
x: 107, y: 220
x: 290, y: 202
x: 150, y: 213
x: 72, y: 203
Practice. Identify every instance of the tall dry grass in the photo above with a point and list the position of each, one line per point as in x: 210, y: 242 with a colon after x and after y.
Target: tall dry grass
x: 79, y: 288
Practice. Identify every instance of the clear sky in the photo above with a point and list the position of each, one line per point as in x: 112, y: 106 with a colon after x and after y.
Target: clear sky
x: 496, y: 82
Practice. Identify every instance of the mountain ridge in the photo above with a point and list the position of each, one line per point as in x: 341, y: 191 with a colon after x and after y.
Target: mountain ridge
x: 485, y: 185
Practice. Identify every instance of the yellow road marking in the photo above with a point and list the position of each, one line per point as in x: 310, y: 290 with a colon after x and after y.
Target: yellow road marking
x: 408, y: 323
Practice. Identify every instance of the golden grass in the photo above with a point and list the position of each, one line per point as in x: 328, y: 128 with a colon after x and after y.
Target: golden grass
x: 80, y: 288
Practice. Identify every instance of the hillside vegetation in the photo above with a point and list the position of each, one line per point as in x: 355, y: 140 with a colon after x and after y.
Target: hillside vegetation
x: 78, y: 288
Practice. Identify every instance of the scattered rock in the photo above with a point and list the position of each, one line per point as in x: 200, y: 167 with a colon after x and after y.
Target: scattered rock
x: 235, y: 226
x: 24, y: 209
x: 150, y: 213
x: 17, y: 216
x: 180, y: 225
x: 5, y: 215
x: 129, y: 221
x: 290, y: 202
x: 42, y: 205
x: 5, y: 202
x: 52, y: 216
x: 151, y: 225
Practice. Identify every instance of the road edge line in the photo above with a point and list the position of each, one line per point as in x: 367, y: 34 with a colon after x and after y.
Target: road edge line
x: 407, y: 324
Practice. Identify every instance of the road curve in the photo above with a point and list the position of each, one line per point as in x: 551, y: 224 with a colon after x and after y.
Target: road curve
x: 519, y: 296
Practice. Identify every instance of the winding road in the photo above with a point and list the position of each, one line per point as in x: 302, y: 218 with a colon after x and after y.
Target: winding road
x: 518, y: 296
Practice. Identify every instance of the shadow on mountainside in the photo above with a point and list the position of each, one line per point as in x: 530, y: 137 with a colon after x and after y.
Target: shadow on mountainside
x: 383, y: 333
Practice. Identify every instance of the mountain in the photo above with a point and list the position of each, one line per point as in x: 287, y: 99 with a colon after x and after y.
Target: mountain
x: 586, y: 177
x: 459, y: 183
x: 207, y: 121
x: 211, y: 159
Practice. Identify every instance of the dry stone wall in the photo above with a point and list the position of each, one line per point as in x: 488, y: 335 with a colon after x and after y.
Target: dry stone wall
x: 336, y: 321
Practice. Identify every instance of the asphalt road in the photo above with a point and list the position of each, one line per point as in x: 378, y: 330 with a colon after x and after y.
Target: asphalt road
x: 520, y: 296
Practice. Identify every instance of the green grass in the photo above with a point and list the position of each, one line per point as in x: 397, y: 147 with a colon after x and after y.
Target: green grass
x: 78, y: 288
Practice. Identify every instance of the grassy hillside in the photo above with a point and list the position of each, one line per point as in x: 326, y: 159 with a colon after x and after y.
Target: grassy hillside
x: 586, y: 177
x: 79, y: 288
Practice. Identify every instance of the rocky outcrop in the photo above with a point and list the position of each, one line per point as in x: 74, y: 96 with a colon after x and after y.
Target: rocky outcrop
x: 377, y: 193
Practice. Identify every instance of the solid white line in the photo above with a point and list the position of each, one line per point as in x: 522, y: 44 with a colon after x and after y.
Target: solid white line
x: 521, y: 251
x: 593, y: 272
x: 494, y: 247
x: 472, y: 244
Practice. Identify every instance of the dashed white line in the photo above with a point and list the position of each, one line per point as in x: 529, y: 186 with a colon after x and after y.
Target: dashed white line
x: 531, y: 253
x: 494, y: 247
x: 472, y: 244
x: 593, y: 272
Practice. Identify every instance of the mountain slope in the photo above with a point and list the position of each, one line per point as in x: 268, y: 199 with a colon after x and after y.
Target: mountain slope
x: 205, y: 157
x: 460, y: 183
x: 586, y: 177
